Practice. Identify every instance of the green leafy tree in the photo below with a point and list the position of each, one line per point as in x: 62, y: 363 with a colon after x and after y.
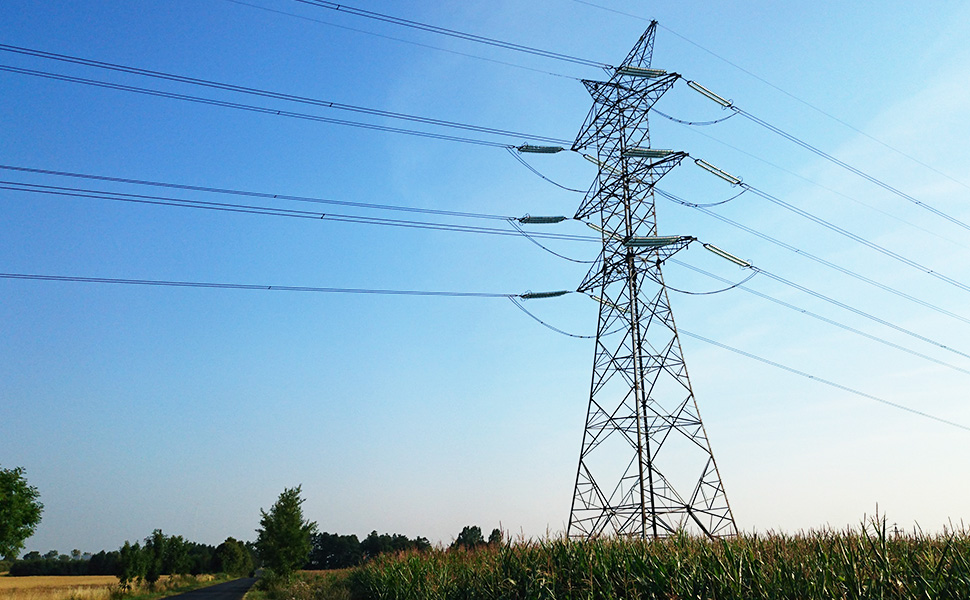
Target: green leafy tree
x: 333, y: 551
x: 154, y: 553
x: 20, y: 511
x: 283, y: 541
x: 175, y: 558
x: 131, y: 565
x: 495, y: 538
x: 232, y: 557
x: 469, y: 538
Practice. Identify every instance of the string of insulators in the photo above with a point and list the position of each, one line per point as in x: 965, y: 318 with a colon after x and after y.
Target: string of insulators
x: 539, y: 149
x: 722, y: 174
x: 530, y: 220
x: 727, y: 256
x: 709, y: 94
x: 645, y: 153
x: 608, y: 303
x: 537, y: 295
x: 640, y: 72
x: 655, y: 241
x: 596, y: 227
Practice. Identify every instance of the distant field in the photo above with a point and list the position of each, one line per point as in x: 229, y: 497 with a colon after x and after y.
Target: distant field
x: 88, y: 587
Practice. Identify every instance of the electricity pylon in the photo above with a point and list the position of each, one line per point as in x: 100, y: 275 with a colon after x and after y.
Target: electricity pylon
x: 645, y: 467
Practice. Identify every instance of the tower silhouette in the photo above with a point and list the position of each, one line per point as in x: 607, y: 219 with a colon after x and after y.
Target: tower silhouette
x: 645, y: 466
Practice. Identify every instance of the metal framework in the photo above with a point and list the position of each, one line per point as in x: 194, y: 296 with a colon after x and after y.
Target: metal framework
x: 645, y: 467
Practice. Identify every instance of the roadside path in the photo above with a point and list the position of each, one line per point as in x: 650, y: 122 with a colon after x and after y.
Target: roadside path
x: 230, y: 590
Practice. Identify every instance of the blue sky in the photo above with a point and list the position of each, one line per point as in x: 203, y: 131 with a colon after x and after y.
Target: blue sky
x: 134, y: 408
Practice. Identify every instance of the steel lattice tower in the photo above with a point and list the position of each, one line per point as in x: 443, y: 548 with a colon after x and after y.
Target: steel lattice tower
x: 645, y: 467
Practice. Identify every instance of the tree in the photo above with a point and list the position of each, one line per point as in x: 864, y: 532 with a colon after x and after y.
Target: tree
x: 154, y: 555
x: 131, y: 565
x: 283, y: 541
x: 232, y: 557
x: 175, y: 559
x: 469, y: 538
x: 333, y: 551
x: 20, y: 511
x: 495, y: 538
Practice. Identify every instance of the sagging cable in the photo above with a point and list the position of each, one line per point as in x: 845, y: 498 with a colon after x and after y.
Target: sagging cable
x: 711, y: 293
x: 518, y: 304
x: 515, y: 154
x: 695, y: 123
x: 525, y: 234
x: 683, y: 202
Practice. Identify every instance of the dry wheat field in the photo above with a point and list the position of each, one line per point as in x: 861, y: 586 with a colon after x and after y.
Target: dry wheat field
x: 86, y: 587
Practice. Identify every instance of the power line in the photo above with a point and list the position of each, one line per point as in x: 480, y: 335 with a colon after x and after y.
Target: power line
x: 823, y: 381
x: 280, y: 212
x: 812, y: 257
x: 271, y: 94
x: 804, y: 102
x: 404, y: 41
x: 819, y: 317
x: 859, y: 312
x: 828, y: 189
x: 731, y: 284
x: 850, y: 168
x: 532, y: 239
x: 694, y: 123
x: 518, y: 304
x: 217, y: 190
x: 783, y: 91
x: 368, y: 291
x: 848, y: 234
x: 245, y: 286
x: 515, y: 154
x: 455, y: 34
x: 250, y: 108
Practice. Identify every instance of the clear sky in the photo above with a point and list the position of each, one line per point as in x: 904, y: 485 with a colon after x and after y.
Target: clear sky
x: 135, y: 408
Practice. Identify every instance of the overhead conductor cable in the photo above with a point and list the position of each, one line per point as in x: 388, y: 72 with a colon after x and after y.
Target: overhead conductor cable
x: 819, y: 152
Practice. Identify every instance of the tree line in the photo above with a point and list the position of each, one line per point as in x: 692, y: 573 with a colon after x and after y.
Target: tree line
x: 285, y: 542
x: 334, y: 551
x: 157, y: 555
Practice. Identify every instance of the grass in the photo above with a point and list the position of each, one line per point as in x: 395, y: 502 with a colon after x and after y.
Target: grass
x: 305, y: 585
x: 95, y: 587
x: 865, y: 564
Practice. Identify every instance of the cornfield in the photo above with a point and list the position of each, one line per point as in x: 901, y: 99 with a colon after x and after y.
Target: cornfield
x: 865, y: 564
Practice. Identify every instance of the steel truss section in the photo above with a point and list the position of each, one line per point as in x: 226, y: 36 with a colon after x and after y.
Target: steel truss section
x: 645, y: 467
